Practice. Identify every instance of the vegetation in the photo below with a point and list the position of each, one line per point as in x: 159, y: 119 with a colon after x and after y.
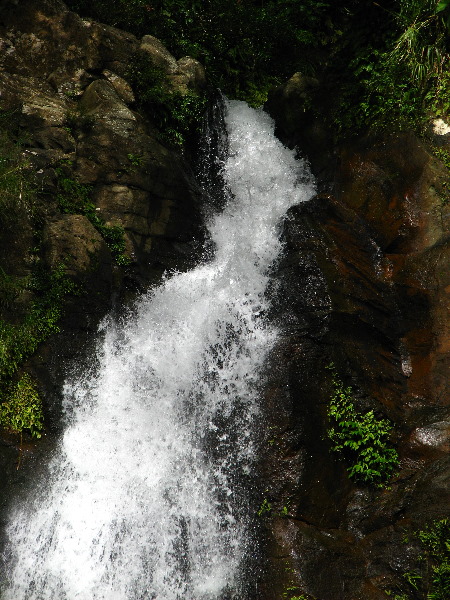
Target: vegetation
x: 177, y: 115
x: 401, y: 73
x: 18, y: 341
x: 386, y: 64
x: 362, y: 439
x: 30, y: 304
x: 245, y: 45
x: 23, y: 408
x: 432, y: 580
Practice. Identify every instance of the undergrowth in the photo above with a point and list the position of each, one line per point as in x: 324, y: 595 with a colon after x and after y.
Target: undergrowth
x: 22, y: 407
x: 178, y: 116
x: 361, y: 438
x: 18, y: 341
x: 20, y: 404
x: 431, y: 580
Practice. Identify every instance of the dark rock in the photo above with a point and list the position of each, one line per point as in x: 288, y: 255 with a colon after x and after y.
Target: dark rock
x: 362, y: 284
x: 298, y: 123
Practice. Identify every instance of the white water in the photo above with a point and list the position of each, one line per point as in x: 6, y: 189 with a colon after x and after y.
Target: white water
x: 146, y: 497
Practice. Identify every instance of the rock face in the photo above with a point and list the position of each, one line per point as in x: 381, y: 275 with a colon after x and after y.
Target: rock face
x: 66, y: 76
x: 64, y: 92
x: 364, y: 284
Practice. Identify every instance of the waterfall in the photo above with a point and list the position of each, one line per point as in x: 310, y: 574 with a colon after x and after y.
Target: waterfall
x: 147, y: 494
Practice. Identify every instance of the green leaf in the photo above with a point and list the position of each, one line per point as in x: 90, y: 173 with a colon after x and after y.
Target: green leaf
x: 442, y: 6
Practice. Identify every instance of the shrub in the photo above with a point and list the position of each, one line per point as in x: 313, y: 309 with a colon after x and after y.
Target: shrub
x: 361, y: 438
x: 177, y: 116
x: 22, y: 409
x: 432, y: 579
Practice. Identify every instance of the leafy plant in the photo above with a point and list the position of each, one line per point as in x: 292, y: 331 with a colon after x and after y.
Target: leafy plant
x: 18, y: 341
x: 22, y: 408
x: 361, y: 438
x: 421, y: 45
x: 177, y: 116
x: 431, y: 580
x: 137, y: 160
x: 265, y: 508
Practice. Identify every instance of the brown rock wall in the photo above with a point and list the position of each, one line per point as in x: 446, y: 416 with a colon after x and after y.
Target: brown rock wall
x: 378, y: 250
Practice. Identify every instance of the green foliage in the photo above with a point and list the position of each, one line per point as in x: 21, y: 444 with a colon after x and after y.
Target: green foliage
x: 395, y: 79
x: 294, y: 589
x: 420, y: 49
x: 75, y: 198
x: 386, y: 65
x: 435, y: 542
x: 431, y: 581
x: 362, y: 439
x: 443, y: 155
x: 265, y: 508
x: 176, y: 115
x: 244, y: 44
x: 136, y: 160
x: 22, y: 408
x: 18, y: 341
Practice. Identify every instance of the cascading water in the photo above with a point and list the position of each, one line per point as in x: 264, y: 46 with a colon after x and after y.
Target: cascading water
x: 146, y: 497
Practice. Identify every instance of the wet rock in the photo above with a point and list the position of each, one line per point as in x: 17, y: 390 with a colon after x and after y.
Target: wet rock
x: 363, y: 284
x: 298, y: 124
x: 158, y: 54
